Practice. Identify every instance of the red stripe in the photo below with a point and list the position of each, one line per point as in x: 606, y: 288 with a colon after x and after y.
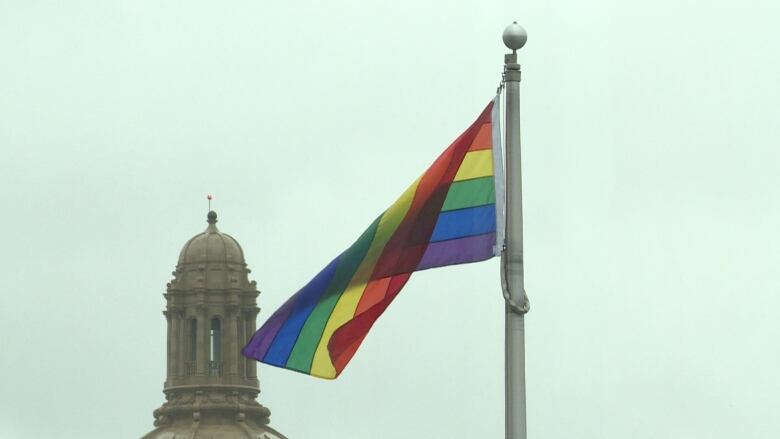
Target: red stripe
x: 484, y: 139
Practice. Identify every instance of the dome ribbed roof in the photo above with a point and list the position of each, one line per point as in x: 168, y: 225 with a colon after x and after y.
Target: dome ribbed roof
x: 211, y: 246
x: 211, y: 260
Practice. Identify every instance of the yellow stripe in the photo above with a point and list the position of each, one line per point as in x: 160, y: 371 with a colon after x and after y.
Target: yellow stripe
x: 348, y: 302
x: 476, y: 164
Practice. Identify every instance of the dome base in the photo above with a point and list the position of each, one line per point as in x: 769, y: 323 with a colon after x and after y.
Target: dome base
x: 213, y: 429
x: 212, y: 413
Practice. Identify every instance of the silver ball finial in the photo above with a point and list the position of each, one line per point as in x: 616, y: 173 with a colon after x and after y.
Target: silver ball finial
x: 514, y: 36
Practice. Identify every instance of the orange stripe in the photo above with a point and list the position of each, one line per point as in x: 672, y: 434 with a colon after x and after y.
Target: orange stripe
x: 374, y: 292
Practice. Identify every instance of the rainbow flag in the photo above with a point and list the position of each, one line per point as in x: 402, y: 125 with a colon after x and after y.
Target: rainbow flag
x: 452, y: 214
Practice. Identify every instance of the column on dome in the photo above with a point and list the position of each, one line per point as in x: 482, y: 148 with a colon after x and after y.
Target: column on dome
x: 240, y: 321
x: 251, y: 365
x: 230, y: 358
x: 202, y: 359
x: 175, y: 342
x: 181, y: 356
x: 216, y: 341
x: 169, y: 361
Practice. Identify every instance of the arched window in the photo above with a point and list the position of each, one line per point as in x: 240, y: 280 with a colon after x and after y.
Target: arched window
x: 216, y: 345
x: 193, y: 339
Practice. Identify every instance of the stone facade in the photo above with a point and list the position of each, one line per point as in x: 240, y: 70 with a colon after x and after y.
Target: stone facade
x: 210, y: 388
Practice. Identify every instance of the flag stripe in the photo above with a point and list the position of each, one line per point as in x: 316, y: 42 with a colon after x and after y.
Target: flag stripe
x: 483, y: 139
x: 458, y: 251
x: 375, y: 291
x: 476, y: 164
x: 470, y: 193
x: 465, y: 222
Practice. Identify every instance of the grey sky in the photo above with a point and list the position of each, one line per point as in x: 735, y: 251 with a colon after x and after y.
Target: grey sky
x: 651, y: 183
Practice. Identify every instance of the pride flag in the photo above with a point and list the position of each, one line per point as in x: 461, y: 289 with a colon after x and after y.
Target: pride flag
x: 452, y: 214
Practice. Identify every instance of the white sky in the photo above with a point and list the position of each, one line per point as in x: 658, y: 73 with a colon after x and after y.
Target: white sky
x: 651, y: 181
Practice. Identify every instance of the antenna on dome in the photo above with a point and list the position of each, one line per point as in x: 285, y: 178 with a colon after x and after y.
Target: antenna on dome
x: 209, y: 197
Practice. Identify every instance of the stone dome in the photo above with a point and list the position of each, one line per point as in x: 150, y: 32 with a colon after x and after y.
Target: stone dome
x: 211, y: 246
x: 211, y: 260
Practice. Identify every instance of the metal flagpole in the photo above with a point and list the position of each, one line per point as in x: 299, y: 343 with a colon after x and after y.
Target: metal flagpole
x: 512, y: 258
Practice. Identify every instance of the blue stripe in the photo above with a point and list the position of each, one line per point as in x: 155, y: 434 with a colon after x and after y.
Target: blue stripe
x: 465, y: 222
x: 308, y: 297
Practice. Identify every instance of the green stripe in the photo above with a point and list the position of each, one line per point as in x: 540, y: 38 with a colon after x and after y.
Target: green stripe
x: 303, y: 352
x: 470, y: 193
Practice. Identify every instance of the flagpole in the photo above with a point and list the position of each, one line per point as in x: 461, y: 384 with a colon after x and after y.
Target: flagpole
x: 512, y: 259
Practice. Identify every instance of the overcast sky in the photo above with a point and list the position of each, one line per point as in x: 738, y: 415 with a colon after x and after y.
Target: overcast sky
x: 650, y: 148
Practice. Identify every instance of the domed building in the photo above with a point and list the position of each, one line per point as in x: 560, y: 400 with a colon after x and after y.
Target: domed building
x: 210, y: 388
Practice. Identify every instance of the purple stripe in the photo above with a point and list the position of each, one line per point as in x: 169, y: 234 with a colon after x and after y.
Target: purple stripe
x: 261, y: 340
x: 458, y: 251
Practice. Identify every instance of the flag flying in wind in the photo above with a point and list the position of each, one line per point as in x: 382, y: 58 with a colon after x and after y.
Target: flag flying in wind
x: 452, y: 214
